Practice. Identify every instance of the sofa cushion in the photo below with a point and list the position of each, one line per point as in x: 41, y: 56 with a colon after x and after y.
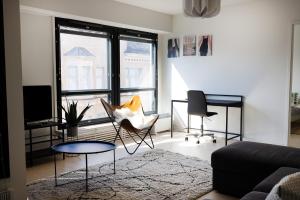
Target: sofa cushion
x: 268, y: 183
x: 252, y: 156
x: 255, y: 196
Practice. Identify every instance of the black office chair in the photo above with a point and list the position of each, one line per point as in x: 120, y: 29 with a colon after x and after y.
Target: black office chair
x: 197, y: 105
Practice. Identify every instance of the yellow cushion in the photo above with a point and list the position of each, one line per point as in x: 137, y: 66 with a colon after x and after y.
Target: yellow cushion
x: 133, y: 104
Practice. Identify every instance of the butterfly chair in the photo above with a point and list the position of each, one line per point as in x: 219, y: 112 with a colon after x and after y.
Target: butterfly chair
x: 140, y: 132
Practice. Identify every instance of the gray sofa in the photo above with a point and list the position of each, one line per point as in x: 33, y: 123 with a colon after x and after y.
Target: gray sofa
x: 250, y: 170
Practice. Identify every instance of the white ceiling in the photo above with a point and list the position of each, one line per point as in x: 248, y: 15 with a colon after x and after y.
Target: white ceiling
x: 171, y: 7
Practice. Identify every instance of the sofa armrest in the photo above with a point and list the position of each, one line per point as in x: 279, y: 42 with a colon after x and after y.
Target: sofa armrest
x: 239, y: 167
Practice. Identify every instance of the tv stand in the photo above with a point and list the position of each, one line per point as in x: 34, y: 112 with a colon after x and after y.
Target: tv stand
x: 39, y: 139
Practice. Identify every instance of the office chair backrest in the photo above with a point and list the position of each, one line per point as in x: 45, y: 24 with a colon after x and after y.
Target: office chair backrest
x: 197, y: 103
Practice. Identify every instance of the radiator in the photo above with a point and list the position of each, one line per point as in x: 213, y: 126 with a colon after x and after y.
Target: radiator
x: 5, y: 195
x: 105, y: 133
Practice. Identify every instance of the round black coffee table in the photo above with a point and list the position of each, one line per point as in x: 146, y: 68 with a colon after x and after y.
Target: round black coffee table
x: 83, y: 147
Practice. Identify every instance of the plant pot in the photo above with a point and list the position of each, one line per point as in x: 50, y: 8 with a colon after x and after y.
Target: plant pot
x: 72, y: 131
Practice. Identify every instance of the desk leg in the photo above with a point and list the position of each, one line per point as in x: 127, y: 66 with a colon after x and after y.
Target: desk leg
x: 226, y: 131
x: 55, y: 173
x: 86, y: 173
x: 241, y: 125
x: 171, y: 119
x: 30, y: 147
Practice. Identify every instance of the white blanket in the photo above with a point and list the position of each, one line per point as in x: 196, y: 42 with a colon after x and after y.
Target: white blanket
x: 137, y: 119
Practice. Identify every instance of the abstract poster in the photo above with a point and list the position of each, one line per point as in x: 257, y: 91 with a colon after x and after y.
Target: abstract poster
x: 204, y: 45
x: 173, y: 48
x: 189, y: 45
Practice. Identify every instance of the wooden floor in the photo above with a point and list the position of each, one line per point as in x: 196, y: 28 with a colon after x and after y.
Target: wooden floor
x: 294, y: 140
x: 294, y: 137
x: 45, y: 168
x: 295, y: 127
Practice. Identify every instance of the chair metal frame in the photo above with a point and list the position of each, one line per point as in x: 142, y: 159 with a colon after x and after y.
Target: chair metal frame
x: 126, y: 125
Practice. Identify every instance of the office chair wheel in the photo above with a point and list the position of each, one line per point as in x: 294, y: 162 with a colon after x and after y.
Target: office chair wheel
x: 198, y: 142
x: 186, y: 138
x: 214, y: 140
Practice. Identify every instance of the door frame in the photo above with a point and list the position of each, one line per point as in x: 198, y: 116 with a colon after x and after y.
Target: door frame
x: 290, y: 79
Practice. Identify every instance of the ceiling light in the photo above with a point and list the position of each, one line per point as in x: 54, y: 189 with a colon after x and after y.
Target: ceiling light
x: 201, y: 8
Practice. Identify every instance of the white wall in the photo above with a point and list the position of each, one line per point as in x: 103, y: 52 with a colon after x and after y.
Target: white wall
x: 251, y: 57
x: 296, y: 60
x: 14, y: 99
x: 37, y: 49
x: 160, y: 63
x: 107, y: 11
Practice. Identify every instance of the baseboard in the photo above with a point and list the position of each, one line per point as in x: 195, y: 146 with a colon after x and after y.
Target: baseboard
x: 163, y: 123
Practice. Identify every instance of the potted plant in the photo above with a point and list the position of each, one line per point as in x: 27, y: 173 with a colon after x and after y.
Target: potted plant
x: 72, y: 119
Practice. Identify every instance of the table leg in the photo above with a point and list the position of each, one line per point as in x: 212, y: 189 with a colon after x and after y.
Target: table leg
x: 63, y: 139
x: 188, y: 124
x: 241, y: 125
x: 171, y: 119
x: 114, y: 161
x: 55, y: 173
x: 51, y: 137
x: 63, y: 134
x: 86, y: 173
x: 30, y: 147
x: 226, y: 129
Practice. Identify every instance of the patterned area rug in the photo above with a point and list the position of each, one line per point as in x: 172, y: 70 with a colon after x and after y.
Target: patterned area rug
x: 156, y: 174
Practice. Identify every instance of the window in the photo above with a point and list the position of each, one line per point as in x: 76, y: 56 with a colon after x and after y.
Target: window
x: 96, y: 61
x: 137, y: 71
x: 82, y: 53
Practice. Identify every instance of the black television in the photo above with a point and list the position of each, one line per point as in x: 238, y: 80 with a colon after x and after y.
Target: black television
x: 37, y: 103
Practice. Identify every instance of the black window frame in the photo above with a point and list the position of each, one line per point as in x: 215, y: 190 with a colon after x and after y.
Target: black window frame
x: 115, y: 34
x: 4, y: 146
